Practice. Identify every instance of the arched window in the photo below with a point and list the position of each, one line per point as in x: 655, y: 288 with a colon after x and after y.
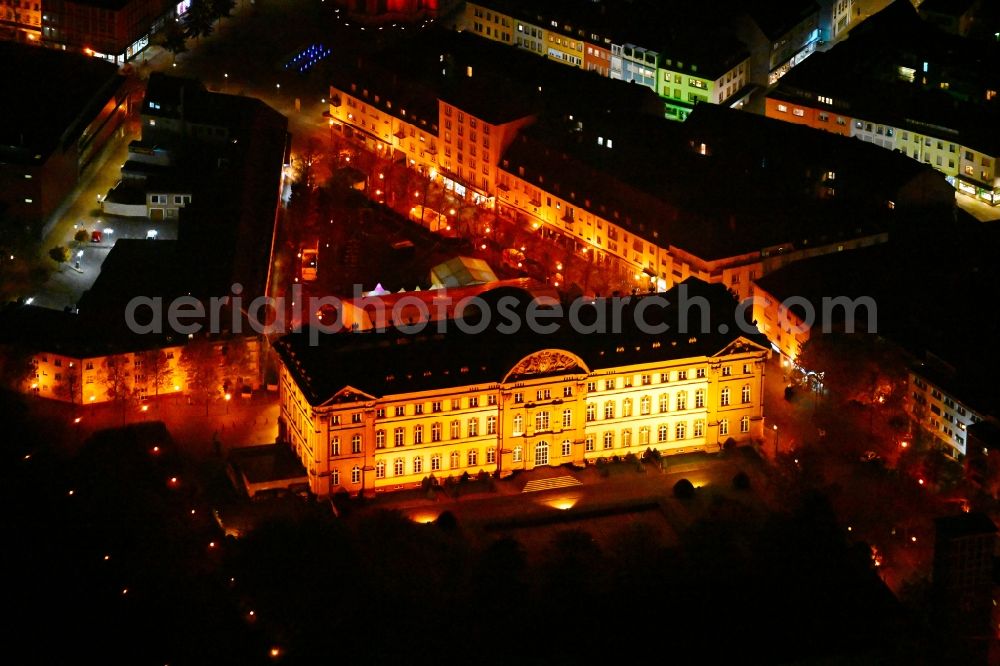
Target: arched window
x: 567, y: 418
x: 380, y: 469
x: 418, y: 434
x: 627, y: 407
x: 745, y: 394
x: 661, y: 433
x: 380, y: 439
x: 644, y: 436
x: 682, y: 400
x: 334, y: 446
x: 567, y: 448
x: 436, y: 432
x: 664, y: 402
x: 699, y: 398
x: 518, y: 428
x: 355, y: 474
x: 645, y: 405
x: 745, y: 424
x: 518, y: 454
x: 398, y: 467
x: 609, y: 440
x: 455, y: 429
x: 456, y: 460
x: 418, y: 465
x: 609, y: 409
x: 680, y: 430
x: 699, y: 428
x: 627, y: 437
x: 473, y: 457
x: 356, y: 444
x: 491, y: 455
x: 724, y: 397
x: 591, y: 412
x: 542, y: 453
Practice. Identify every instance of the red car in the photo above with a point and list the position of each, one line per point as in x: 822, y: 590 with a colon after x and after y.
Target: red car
x: 96, y: 236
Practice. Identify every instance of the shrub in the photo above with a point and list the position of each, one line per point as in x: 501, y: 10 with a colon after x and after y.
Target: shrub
x: 651, y: 455
x: 741, y: 481
x: 447, y: 521
x: 729, y: 444
x: 683, y: 489
x: 630, y: 457
x: 81, y: 236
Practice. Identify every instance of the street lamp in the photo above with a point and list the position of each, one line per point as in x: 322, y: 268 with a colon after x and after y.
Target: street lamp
x: 775, y: 427
x: 229, y: 397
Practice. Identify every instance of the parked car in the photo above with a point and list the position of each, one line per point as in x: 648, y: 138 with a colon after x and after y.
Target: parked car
x: 310, y: 262
x: 870, y: 456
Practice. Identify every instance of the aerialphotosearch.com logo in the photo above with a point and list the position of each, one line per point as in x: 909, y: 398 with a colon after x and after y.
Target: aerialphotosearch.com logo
x: 437, y: 310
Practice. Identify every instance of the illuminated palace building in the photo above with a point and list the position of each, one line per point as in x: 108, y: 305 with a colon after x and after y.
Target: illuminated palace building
x: 369, y: 412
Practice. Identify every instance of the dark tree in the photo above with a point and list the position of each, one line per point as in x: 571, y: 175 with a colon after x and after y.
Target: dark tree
x: 199, y: 20
x: 222, y: 8
x: 683, y: 489
x: 59, y: 254
x: 174, y: 40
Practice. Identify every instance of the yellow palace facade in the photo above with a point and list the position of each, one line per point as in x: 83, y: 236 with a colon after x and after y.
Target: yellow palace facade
x: 446, y: 404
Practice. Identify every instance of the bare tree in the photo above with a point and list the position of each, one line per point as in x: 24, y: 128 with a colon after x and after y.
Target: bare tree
x: 158, y: 371
x: 116, y: 376
x: 16, y: 366
x: 201, y: 362
x: 69, y: 385
x: 238, y: 359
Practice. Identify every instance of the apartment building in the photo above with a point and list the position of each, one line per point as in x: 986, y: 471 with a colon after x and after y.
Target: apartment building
x: 74, y: 358
x: 906, y: 86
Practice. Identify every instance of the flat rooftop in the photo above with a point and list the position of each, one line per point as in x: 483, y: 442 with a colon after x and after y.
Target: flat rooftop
x: 48, y: 98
